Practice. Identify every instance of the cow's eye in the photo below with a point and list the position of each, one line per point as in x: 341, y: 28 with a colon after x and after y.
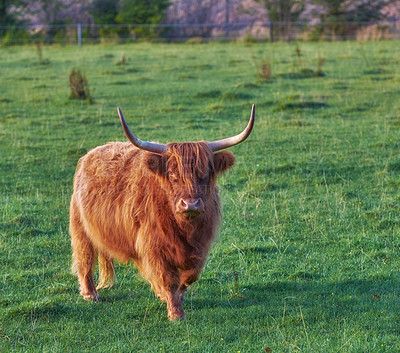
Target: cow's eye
x: 203, y: 179
x: 172, y: 177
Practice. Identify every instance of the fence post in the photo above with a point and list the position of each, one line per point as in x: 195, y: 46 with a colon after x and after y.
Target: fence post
x: 271, y: 32
x: 227, y: 10
x: 79, y: 34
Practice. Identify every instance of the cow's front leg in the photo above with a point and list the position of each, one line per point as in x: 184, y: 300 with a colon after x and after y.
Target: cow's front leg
x: 174, y: 306
x: 165, y: 284
x: 187, y: 278
x: 172, y: 295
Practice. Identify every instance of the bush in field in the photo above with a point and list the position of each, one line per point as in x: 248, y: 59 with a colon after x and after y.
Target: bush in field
x: 321, y: 61
x: 79, y: 86
x: 264, y: 71
x: 39, y: 52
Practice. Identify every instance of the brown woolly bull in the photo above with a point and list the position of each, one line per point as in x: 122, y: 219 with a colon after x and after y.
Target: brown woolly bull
x: 155, y: 204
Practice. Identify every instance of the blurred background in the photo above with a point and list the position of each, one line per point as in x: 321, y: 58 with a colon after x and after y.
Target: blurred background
x: 73, y: 21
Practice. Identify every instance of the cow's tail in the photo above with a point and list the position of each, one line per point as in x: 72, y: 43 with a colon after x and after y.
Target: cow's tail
x: 106, y: 272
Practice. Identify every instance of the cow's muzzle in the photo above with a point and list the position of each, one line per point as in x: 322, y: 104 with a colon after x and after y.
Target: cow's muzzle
x: 190, y: 208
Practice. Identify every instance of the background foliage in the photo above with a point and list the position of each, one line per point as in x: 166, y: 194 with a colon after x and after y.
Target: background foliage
x: 56, y: 20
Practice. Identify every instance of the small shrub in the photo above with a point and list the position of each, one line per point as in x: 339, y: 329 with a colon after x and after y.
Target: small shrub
x: 364, y: 56
x: 298, y: 52
x: 122, y: 62
x: 320, y: 63
x: 196, y: 40
x: 263, y: 72
x: 247, y: 39
x: 79, y: 86
x: 39, y: 52
x: 298, y: 61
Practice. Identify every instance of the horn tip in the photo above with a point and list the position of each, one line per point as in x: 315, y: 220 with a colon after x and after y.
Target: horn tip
x: 121, y: 116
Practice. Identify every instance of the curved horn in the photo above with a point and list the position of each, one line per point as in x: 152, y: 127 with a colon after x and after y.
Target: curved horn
x: 234, y: 140
x: 144, y: 145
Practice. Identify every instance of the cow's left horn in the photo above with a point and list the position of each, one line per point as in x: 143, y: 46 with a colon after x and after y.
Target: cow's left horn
x: 144, y: 145
x: 234, y: 140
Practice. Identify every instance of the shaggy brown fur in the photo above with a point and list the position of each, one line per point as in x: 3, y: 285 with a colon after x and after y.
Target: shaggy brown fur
x: 130, y: 204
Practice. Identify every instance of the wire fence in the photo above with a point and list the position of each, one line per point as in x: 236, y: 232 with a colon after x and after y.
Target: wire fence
x: 249, y: 31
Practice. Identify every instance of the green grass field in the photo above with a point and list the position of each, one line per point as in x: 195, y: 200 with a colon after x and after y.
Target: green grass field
x: 308, y: 255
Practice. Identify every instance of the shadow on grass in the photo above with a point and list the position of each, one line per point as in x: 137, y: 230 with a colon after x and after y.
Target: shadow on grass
x: 358, y: 298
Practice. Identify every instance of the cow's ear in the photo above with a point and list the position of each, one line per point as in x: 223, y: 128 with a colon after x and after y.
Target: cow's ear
x: 223, y: 161
x: 155, y: 163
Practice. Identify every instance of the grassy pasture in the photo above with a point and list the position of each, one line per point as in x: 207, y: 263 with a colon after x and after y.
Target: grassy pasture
x: 308, y: 255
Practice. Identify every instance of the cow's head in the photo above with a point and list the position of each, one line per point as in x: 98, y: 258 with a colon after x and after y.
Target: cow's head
x: 188, y: 170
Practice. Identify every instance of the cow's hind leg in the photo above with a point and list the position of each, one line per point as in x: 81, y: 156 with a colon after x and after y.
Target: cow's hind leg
x: 83, y: 256
x: 106, y: 271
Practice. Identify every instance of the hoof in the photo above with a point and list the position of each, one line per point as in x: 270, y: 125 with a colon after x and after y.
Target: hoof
x: 93, y: 297
x: 176, y: 318
x: 176, y: 315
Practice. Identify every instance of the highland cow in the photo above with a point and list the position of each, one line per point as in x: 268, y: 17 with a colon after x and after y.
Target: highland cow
x: 154, y: 204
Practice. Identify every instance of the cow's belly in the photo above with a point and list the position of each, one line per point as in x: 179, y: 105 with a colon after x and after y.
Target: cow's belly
x: 111, y: 240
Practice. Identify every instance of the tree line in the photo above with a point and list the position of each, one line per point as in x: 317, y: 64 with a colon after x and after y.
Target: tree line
x: 111, y: 18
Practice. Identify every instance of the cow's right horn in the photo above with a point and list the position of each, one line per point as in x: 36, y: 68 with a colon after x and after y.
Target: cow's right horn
x: 144, y: 145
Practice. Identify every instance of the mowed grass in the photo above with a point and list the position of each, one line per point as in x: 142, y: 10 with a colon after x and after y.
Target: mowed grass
x: 308, y: 255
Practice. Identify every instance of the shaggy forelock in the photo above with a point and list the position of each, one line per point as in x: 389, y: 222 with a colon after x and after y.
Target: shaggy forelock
x: 190, y: 160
